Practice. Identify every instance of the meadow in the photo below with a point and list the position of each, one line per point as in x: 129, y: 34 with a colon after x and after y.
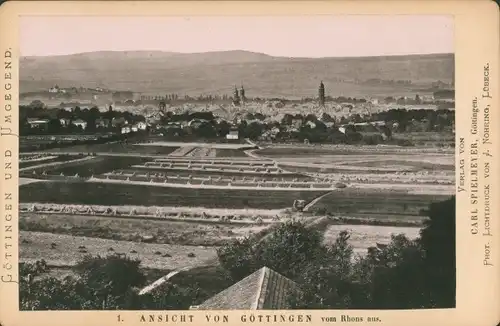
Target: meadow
x: 161, y: 231
x: 65, y: 250
x: 87, y: 168
x: 376, y: 204
x: 115, y: 147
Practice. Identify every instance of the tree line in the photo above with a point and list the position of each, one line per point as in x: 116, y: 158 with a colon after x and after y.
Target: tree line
x: 55, y: 126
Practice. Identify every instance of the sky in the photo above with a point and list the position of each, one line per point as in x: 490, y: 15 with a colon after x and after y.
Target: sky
x: 289, y: 36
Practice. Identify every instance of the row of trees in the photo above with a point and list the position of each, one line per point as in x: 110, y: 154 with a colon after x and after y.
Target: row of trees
x: 238, y: 95
x: 405, y: 274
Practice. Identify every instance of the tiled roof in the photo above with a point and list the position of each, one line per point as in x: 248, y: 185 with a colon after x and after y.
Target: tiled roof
x: 275, y: 289
x: 264, y: 289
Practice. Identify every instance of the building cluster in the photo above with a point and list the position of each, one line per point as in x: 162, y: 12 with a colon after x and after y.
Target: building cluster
x: 176, y: 127
x: 121, y: 123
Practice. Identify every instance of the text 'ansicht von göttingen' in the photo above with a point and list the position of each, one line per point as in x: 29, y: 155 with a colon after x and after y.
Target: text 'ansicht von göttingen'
x: 476, y: 158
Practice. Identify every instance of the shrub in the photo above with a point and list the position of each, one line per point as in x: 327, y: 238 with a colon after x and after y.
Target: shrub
x: 112, y: 275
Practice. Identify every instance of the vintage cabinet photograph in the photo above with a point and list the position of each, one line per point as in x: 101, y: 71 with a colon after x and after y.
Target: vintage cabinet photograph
x: 247, y: 163
x: 237, y: 162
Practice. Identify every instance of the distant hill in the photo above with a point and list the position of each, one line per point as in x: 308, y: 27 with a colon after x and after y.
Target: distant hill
x: 155, y: 72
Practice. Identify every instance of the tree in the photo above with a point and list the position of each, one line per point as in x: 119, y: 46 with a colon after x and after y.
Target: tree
x: 37, y: 105
x: 110, y: 278
x: 386, y: 131
x: 289, y: 249
x: 206, y: 130
x: 254, y: 130
x: 223, y: 128
x: 321, y: 94
x: 327, y: 283
x: 352, y: 136
x: 417, y: 99
x: 259, y: 116
x: 437, y: 239
x: 356, y: 118
x: 310, y: 117
x: 63, y: 114
x: 76, y: 112
x: 325, y: 117
x: 287, y: 119
x: 103, y: 283
x: 238, y: 258
x: 249, y: 116
x: 92, y: 115
x: 54, y: 126
x: 389, y: 270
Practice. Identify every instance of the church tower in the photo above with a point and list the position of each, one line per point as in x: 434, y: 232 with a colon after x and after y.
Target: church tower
x: 236, y: 97
x: 321, y: 94
x: 242, y: 94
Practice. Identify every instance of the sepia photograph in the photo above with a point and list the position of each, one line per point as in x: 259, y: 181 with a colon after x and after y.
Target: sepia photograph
x: 231, y: 162
x: 236, y: 163
x: 228, y: 163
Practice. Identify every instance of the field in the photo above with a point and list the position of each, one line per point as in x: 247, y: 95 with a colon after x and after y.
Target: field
x: 29, y: 143
x: 376, y: 203
x: 68, y: 249
x: 115, y: 147
x: 87, y: 168
x: 192, y: 145
x: 228, y: 152
x: 125, y: 235
x: 364, y: 236
x: 299, y: 150
x: 25, y: 181
x: 370, y: 165
x: 192, y: 233
x: 123, y: 194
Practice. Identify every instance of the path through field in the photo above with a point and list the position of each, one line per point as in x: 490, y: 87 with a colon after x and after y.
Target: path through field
x: 66, y: 252
x: 314, y: 201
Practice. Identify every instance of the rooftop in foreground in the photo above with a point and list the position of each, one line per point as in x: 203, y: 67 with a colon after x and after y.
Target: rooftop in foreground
x: 263, y: 289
